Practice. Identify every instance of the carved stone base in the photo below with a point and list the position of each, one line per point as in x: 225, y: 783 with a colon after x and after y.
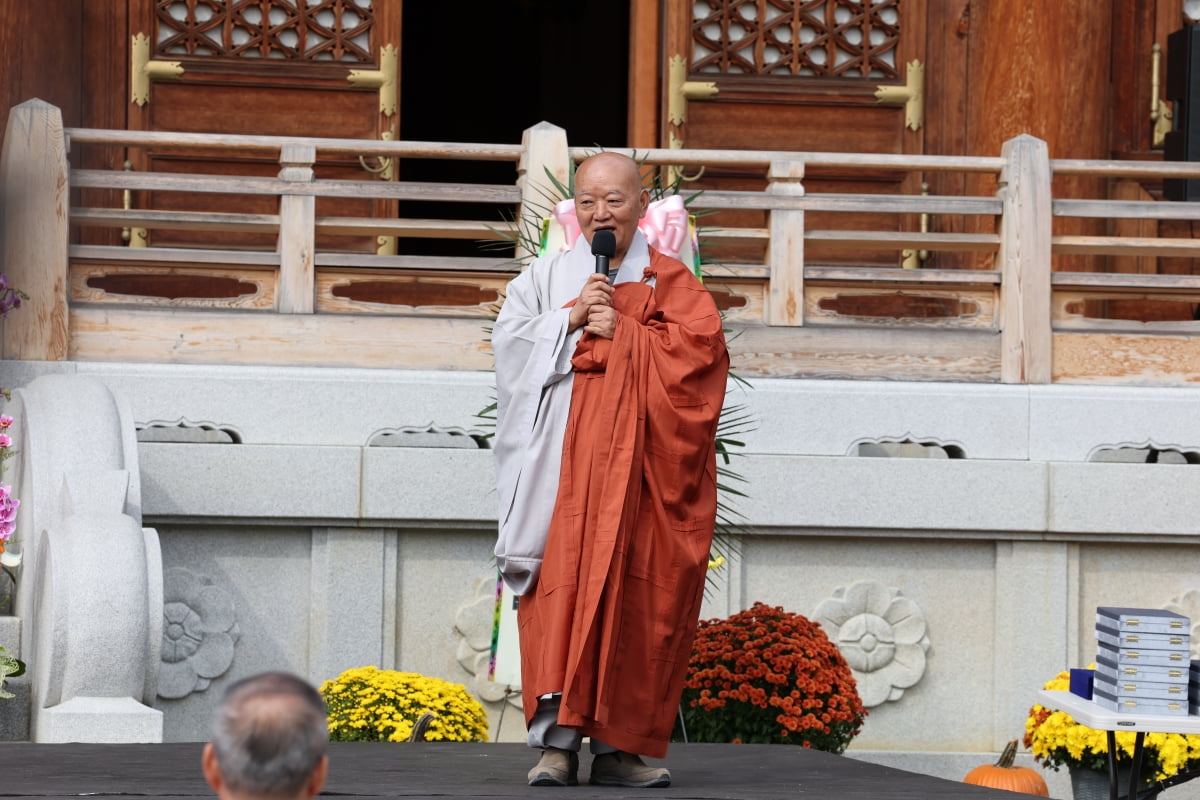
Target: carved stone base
x: 100, y: 719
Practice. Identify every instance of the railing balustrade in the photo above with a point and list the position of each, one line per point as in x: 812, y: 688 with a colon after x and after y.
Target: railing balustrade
x: 318, y: 297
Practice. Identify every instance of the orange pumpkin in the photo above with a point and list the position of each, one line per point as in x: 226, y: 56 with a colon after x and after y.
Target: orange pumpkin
x: 1003, y: 775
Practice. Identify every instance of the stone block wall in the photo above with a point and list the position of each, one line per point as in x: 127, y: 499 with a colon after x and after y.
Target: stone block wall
x: 291, y: 521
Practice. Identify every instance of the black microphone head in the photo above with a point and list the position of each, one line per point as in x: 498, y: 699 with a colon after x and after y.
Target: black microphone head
x: 604, y: 244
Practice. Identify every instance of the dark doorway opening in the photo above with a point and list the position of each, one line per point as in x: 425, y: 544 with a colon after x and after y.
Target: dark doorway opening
x: 485, y: 70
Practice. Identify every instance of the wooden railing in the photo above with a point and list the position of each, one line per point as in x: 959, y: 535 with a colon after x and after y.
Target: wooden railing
x: 317, y: 297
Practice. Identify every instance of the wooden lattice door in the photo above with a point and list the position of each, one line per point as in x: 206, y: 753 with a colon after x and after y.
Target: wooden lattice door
x: 317, y: 68
x: 803, y: 75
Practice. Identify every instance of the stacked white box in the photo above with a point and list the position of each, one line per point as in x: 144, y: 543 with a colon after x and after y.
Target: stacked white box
x: 1143, y: 661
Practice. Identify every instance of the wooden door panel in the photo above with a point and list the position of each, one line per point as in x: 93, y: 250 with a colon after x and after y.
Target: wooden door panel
x: 272, y: 110
x: 797, y: 76
x: 793, y: 124
x: 275, y: 67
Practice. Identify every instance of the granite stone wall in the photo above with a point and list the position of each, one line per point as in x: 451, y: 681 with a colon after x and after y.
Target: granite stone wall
x: 954, y: 539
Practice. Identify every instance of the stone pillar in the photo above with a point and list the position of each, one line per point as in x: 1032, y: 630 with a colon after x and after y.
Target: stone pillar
x: 1035, y: 610
x: 352, y: 619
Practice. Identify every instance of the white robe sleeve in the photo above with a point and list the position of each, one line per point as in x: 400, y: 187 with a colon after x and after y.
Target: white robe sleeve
x: 533, y: 384
x: 533, y: 353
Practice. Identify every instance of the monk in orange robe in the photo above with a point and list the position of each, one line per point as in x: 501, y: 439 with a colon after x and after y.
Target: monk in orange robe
x: 617, y: 387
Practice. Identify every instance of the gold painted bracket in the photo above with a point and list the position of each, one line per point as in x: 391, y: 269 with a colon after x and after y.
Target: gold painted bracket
x: 1160, y: 112
x: 681, y: 90
x: 915, y: 259
x: 132, y: 237
x: 386, y: 170
x: 911, y: 95
x: 143, y: 69
x: 384, y: 79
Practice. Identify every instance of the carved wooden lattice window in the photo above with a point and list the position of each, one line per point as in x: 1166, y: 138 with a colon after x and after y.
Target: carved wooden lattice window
x: 314, y: 30
x: 814, y: 38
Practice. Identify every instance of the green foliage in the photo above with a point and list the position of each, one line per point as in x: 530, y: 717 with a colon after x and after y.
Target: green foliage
x: 9, y: 668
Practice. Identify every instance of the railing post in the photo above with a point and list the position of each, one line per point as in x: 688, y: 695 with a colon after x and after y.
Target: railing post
x: 544, y: 149
x: 785, y: 254
x: 34, y: 232
x: 1024, y: 261
x: 297, y: 233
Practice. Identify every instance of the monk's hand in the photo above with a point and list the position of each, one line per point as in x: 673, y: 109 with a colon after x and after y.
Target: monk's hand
x: 602, y: 321
x: 596, y: 292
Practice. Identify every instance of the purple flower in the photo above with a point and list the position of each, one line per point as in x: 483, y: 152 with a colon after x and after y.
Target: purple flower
x: 8, y: 511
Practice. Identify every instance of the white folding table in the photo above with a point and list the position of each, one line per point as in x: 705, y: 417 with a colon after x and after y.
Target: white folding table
x: 1096, y: 716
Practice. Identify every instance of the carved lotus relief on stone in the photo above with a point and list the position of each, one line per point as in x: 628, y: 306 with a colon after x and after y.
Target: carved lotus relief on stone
x: 199, y: 633
x: 882, y: 636
x: 474, y: 623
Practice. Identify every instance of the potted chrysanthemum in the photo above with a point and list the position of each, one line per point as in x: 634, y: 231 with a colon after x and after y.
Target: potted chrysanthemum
x: 767, y: 676
x: 368, y: 704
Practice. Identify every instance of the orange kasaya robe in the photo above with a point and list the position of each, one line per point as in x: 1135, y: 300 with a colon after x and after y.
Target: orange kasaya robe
x: 611, y: 621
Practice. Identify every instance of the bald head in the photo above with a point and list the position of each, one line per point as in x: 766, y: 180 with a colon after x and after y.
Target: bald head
x: 618, y: 163
x: 269, y: 739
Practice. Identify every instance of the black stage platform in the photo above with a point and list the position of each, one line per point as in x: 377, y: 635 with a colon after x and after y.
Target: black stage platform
x: 438, y: 769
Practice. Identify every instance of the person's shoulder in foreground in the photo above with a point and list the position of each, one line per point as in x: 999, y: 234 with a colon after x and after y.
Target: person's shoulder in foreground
x: 268, y: 740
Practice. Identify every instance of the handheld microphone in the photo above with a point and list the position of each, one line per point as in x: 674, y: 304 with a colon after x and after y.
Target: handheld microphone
x: 604, y: 247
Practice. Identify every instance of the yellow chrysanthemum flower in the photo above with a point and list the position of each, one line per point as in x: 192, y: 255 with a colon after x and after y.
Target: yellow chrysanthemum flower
x: 1056, y: 739
x: 367, y: 704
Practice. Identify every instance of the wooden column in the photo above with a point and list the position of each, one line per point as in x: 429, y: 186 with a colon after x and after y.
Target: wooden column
x: 297, y: 233
x: 1043, y: 69
x: 785, y: 257
x: 1024, y: 263
x: 544, y: 152
x: 34, y: 228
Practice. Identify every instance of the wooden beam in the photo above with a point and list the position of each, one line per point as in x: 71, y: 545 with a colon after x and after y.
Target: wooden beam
x: 1125, y: 209
x: 898, y: 240
x: 172, y: 255
x: 1113, y: 280
x: 226, y: 184
x: 1127, y: 358
x: 413, y: 228
x: 178, y: 220
x: 849, y: 353
x: 437, y: 263
x: 165, y: 336
x: 1135, y: 246
x: 859, y: 275
x: 233, y: 142
x: 851, y: 203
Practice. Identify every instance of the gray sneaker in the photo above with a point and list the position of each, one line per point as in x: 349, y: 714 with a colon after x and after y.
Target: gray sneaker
x: 626, y: 769
x: 555, y: 768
